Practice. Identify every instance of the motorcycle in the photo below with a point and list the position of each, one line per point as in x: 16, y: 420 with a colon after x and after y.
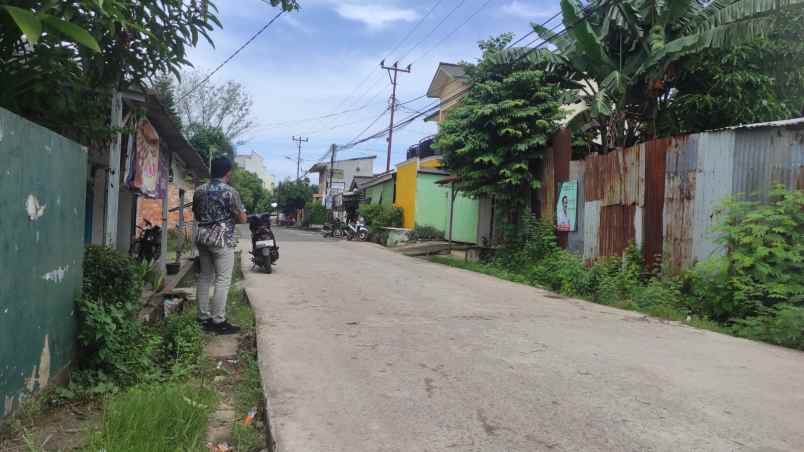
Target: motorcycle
x: 264, y: 250
x: 356, y: 230
x: 148, y: 246
x: 334, y: 230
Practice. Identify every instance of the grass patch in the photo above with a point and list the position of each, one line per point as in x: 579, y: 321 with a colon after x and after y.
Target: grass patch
x: 155, y: 418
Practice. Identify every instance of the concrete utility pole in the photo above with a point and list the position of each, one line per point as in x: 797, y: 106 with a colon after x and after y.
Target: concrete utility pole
x: 395, y: 69
x: 332, y: 150
x: 300, y: 140
x: 113, y: 173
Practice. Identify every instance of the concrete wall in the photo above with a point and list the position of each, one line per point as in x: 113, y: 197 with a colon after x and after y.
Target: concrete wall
x: 432, y: 209
x: 381, y: 193
x: 350, y: 168
x: 406, y: 191
x: 256, y: 164
x: 42, y: 197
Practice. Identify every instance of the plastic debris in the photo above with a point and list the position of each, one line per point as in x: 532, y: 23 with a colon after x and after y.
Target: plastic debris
x: 250, y: 417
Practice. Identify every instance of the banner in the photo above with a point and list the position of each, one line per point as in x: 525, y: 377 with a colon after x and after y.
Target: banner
x: 567, y: 206
x: 146, y: 163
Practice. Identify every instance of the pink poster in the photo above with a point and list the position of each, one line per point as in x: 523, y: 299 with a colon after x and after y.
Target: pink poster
x: 147, y: 161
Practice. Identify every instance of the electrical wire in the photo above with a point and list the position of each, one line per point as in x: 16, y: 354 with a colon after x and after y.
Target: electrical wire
x: 231, y: 57
x: 454, y: 30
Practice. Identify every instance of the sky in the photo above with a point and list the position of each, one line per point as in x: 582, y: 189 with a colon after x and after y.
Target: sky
x: 325, y: 58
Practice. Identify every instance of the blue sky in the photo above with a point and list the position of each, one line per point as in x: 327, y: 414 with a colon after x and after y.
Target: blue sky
x: 311, y: 63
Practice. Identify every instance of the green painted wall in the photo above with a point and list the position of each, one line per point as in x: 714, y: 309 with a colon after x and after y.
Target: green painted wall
x: 42, y: 200
x: 383, y: 192
x: 432, y: 209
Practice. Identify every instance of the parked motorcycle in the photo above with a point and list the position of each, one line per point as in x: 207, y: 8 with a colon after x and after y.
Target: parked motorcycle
x: 356, y: 230
x: 335, y: 230
x: 148, y: 246
x: 264, y: 250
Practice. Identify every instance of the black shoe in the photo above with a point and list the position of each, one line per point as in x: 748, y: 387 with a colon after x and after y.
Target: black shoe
x: 224, y: 328
x: 205, y: 324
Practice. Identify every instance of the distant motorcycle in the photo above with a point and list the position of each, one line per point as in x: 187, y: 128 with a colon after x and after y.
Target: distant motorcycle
x: 148, y: 246
x: 356, y: 230
x: 335, y: 230
x: 264, y: 250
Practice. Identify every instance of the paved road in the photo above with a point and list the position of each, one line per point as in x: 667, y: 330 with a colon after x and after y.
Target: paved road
x: 363, y: 349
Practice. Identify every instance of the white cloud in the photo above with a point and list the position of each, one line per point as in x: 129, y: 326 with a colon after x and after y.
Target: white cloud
x: 523, y: 9
x: 375, y: 16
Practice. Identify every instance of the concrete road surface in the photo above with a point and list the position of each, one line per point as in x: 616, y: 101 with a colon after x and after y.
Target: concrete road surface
x: 363, y: 349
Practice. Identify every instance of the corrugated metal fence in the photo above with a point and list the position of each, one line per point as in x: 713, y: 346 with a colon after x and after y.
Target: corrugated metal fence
x: 42, y: 200
x: 663, y: 195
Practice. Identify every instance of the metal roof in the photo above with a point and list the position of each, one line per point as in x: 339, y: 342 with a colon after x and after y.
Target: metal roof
x: 170, y: 132
x: 445, y: 72
x: 322, y: 166
x: 795, y: 122
x: 378, y: 179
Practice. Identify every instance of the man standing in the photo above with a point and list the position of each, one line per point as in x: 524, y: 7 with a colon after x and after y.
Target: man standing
x: 217, y: 208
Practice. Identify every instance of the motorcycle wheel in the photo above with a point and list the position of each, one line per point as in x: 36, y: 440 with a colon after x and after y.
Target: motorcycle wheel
x: 337, y: 233
x: 362, y: 235
x: 269, y: 268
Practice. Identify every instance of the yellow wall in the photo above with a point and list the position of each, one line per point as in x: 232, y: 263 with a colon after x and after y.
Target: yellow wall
x: 450, y: 90
x: 406, y: 191
x: 431, y: 162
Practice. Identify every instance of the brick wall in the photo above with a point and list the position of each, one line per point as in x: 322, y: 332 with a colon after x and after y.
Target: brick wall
x: 151, y: 209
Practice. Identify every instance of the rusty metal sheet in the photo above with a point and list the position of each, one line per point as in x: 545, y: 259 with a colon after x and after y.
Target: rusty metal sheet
x: 593, y: 190
x: 562, y: 154
x: 713, y: 185
x: 612, y: 173
x: 681, y: 172
x: 653, y: 187
x: 633, y: 178
x: 616, y: 229
x: 591, y: 222
x: 575, y: 238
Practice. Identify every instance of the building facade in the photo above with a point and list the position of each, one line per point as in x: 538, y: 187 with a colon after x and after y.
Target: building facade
x: 255, y: 163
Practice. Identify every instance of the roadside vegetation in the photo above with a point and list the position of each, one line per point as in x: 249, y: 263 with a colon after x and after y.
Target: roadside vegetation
x: 377, y: 217
x: 755, y: 291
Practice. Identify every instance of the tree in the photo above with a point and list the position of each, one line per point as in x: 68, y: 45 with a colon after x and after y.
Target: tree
x: 491, y: 141
x: 293, y: 195
x: 626, y: 52
x: 206, y: 140
x: 252, y: 192
x: 226, y: 107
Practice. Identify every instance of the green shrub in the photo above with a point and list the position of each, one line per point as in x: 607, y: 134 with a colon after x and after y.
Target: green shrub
x: 782, y: 324
x: 378, y: 216
x: 183, y: 343
x: 765, y: 250
x: 111, y: 277
x: 426, y: 233
x: 315, y: 213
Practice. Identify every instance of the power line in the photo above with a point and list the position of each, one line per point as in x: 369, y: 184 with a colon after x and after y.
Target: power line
x: 454, y: 30
x: 232, y: 56
x: 444, y: 19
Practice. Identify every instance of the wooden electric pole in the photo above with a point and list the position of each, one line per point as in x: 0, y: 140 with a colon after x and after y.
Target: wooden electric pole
x: 395, y: 69
x: 300, y: 140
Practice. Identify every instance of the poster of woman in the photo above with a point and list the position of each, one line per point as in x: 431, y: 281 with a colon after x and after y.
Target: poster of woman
x: 567, y: 206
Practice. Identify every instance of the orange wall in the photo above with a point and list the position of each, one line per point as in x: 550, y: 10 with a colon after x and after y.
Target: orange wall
x: 406, y: 191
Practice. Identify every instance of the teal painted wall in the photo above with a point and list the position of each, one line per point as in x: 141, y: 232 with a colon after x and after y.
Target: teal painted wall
x: 432, y: 209
x: 42, y: 200
x: 383, y: 192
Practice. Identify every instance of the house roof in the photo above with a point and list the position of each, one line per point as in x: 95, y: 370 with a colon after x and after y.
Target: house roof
x: 359, y: 181
x: 435, y: 171
x: 793, y: 123
x: 169, y: 131
x: 378, y: 179
x: 445, y: 73
x: 322, y: 166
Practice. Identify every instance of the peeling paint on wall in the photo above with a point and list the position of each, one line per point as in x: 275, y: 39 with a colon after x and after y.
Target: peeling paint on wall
x: 34, y: 208
x: 44, y: 364
x: 56, y: 275
x: 8, y: 405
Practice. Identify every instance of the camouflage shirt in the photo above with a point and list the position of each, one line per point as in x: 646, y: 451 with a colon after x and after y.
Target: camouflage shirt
x: 216, y: 204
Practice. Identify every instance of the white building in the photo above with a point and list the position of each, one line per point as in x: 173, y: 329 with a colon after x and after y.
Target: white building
x: 343, y: 173
x: 254, y: 163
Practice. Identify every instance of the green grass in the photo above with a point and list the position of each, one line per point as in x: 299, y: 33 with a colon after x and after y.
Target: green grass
x: 155, y: 418
x: 480, y: 267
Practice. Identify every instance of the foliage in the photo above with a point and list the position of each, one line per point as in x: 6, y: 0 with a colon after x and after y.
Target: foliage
x: 210, y: 140
x: 224, y: 107
x: 753, y: 82
x: 315, y: 213
x: 426, y: 233
x: 112, y: 278
x: 492, y: 139
x: 135, y: 40
x: 765, y: 250
x: 183, y: 343
x: 293, y: 195
x: 378, y: 216
x: 624, y: 54
x: 155, y: 417
x: 256, y: 198
x: 782, y: 325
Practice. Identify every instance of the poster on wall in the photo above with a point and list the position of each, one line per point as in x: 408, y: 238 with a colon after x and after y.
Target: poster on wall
x: 567, y: 206
x: 146, y: 161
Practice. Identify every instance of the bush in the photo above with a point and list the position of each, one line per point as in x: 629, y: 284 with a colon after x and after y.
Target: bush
x: 426, y: 233
x: 315, y: 213
x: 183, y: 343
x: 111, y: 277
x: 378, y: 216
x: 781, y: 325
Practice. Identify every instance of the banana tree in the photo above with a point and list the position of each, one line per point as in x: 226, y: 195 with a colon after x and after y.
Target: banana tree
x: 624, y: 53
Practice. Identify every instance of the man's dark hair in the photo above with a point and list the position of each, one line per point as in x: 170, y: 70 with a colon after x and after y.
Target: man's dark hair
x: 221, y: 166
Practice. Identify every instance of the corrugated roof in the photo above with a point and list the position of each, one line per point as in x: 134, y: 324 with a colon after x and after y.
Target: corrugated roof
x: 322, y: 166
x: 795, y: 122
x: 376, y: 180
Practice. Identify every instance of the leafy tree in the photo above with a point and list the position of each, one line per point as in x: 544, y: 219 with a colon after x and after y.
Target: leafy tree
x: 491, y: 141
x: 625, y: 53
x: 293, y: 195
x: 252, y: 192
x: 206, y: 140
x: 225, y: 107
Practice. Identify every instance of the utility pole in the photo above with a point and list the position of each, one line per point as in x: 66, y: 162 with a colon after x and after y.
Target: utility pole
x: 300, y: 140
x: 332, y: 150
x: 395, y: 69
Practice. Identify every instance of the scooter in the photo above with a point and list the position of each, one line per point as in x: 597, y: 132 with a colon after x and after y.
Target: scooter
x: 356, y: 230
x: 264, y: 250
x: 148, y: 245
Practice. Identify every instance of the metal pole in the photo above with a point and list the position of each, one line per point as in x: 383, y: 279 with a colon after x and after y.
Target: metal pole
x: 451, y: 213
x: 395, y: 69
x: 181, y: 227
x: 298, y: 159
x: 332, y: 150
